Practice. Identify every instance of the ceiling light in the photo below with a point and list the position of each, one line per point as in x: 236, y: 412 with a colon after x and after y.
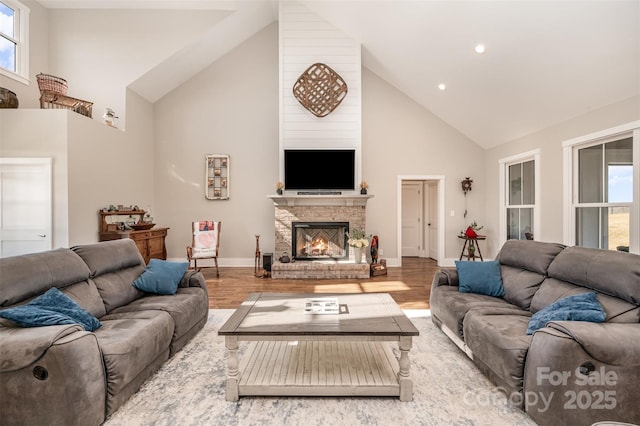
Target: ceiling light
x: 480, y: 49
x: 442, y: 86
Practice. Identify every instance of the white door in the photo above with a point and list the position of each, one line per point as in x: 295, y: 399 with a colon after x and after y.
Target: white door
x: 432, y: 223
x: 411, y: 214
x: 25, y: 205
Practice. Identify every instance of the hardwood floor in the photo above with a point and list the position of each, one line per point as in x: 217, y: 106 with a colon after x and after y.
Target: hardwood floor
x: 409, y: 285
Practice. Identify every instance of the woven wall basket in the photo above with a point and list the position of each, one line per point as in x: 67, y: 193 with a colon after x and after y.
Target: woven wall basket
x: 320, y: 89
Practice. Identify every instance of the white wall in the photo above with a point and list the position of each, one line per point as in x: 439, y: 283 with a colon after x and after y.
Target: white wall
x: 100, y: 52
x: 549, y: 141
x: 307, y: 39
x: 41, y: 133
x: 231, y: 108
x: 400, y: 137
x: 109, y: 166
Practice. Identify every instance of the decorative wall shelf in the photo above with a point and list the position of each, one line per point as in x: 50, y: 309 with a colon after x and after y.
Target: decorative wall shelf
x: 216, y: 185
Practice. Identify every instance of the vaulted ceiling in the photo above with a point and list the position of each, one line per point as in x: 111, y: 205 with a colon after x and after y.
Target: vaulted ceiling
x: 544, y: 61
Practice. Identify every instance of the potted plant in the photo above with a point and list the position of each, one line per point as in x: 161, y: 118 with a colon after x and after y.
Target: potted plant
x: 359, y: 241
x: 363, y: 187
x: 279, y: 187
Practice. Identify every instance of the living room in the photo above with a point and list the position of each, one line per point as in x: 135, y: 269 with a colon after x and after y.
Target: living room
x: 194, y: 78
x: 231, y: 108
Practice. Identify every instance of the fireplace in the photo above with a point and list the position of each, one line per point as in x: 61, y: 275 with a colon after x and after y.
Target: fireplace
x: 319, y: 240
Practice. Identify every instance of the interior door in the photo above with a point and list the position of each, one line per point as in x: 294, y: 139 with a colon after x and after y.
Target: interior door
x: 411, y: 218
x: 25, y: 205
x: 433, y: 220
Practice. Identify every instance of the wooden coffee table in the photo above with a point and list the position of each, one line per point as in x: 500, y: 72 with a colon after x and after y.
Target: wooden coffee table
x: 310, y: 354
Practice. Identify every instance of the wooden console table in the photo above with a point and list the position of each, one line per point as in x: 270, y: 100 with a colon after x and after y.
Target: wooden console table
x: 472, y: 242
x: 150, y: 242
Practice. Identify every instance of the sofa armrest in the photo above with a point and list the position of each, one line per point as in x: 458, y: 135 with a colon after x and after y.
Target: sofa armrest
x: 445, y: 276
x: 192, y: 278
x: 611, y: 343
x: 20, y: 346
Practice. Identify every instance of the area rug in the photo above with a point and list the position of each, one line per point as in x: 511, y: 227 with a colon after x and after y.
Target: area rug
x: 447, y: 390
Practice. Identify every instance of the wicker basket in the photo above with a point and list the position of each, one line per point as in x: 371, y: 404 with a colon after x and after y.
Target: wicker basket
x: 47, y: 82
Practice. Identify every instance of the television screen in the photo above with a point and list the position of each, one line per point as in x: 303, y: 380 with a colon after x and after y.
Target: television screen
x: 319, y: 169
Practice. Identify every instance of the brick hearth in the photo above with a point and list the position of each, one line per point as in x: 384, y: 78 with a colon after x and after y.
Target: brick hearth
x: 317, y: 208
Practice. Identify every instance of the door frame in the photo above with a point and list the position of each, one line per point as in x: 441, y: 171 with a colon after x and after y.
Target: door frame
x: 420, y: 226
x: 441, y: 217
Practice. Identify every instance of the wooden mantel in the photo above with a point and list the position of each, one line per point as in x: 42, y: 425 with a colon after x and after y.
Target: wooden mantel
x: 320, y: 200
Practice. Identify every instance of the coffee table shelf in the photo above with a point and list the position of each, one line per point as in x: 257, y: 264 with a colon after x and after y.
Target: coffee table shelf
x: 319, y: 368
x: 293, y: 353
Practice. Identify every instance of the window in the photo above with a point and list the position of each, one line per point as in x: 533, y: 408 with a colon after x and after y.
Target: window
x: 519, y: 197
x: 605, y: 194
x: 601, y: 198
x: 14, y: 46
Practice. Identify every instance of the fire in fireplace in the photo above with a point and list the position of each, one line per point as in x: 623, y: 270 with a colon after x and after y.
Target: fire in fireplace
x: 319, y: 240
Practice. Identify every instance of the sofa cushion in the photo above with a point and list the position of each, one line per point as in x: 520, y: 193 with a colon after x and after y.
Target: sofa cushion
x: 449, y: 306
x: 480, y: 278
x: 500, y: 343
x: 579, y: 307
x: 610, y: 272
x: 86, y: 294
x: 109, y: 256
x: 520, y: 285
x: 161, y: 277
x: 187, y: 307
x: 551, y: 290
x: 51, y: 308
x: 26, y: 276
x: 131, y: 341
x: 114, y: 266
x: 534, y: 256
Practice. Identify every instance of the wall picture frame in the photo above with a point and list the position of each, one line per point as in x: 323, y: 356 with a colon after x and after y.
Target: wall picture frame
x: 216, y: 177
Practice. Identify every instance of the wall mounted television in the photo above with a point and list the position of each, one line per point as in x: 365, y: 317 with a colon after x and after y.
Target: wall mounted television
x: 319, y: 169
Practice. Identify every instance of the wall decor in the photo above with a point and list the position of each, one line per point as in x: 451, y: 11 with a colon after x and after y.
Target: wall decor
x: 320, y: 89
x: 216, y: 186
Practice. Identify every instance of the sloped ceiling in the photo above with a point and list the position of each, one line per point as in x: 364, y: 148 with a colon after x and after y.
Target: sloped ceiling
x: 545, y: 61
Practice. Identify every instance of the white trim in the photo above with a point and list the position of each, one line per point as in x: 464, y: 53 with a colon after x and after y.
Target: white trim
x: 441, y: 216
x: 570, y: 179
x: 22, y: 43
x: 607, y: 133
x: 537, y: 207
x: 634, y: 226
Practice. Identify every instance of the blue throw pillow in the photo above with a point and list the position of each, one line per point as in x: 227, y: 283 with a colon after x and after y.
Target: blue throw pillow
x: 161, y: 277
x: 480, y: 278
x: 52, y: 308
x: 580, y: 307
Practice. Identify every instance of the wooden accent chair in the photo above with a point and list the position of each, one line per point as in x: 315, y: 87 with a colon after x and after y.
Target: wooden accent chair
x: 205, y: 243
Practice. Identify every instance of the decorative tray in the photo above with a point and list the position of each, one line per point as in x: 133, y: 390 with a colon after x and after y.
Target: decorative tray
x: 142, y: 226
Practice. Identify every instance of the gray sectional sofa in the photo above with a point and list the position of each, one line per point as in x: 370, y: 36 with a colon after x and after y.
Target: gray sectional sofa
x: 64, y: 375
x: 568, y: 372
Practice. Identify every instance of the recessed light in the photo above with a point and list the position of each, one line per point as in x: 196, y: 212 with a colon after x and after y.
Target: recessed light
x: 480, y: 49
x: 442, y: 86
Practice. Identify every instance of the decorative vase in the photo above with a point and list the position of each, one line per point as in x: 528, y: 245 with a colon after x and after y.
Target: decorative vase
x: 279, y: 191
x: 357, y: 254
x: 363, y: 191
x: 472, y: 251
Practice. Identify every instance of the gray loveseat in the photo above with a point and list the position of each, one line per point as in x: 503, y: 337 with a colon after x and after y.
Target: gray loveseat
x: 568, y: 372
x: 63, y: 375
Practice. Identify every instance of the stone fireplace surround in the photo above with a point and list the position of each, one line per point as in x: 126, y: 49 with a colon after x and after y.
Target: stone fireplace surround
x: 317, y: 208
